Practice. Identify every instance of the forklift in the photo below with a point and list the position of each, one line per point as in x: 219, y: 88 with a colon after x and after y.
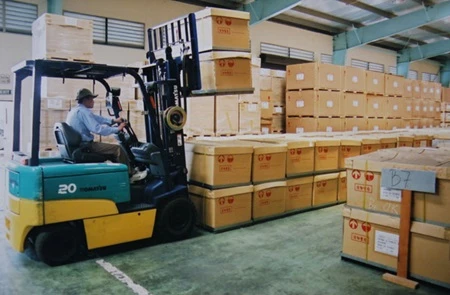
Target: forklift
x: 79, y: 201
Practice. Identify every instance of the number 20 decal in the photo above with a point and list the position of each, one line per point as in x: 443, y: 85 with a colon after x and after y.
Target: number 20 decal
x: 67, y: 188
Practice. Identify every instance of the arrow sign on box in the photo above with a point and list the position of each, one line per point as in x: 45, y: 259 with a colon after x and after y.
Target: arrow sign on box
x: 412, y: 180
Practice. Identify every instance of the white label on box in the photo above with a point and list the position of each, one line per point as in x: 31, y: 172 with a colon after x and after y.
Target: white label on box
x: 438, y: 91
x: 417, y: 108
x: 395, y: 107
x: 329, y: 103
x: 278, y: 110
x: 438, y: 109
x: 329, y: 129
x: 425, y: 90
x: 252, y: 108
x: 395, y: 84
x: 299, y: 130
x: 375, y: 106
x: 355, y: 103
x: 431, y: 90
x: 386, y: 243
x: 330, y: 77
x: 265, y: 105
x: 394, y: 128
x: 376, y: 127
x: 417, y: 89
x: 355, y: 129
x: 393, y: 195
x: 300, y: 103
x: 431, y: 109
x: 264, y: 72
x: 70, y: 21
x: 265, y: 130
x: 355, y: 79
x: 375, y: 81
x: 54, y: 103
x: 425, y: 109
x: 300, y: 77
x: 408, y: 108
x: 408, y: 88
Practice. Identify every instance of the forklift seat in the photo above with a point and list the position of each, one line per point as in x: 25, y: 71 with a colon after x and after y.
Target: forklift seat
x: 71, y: 148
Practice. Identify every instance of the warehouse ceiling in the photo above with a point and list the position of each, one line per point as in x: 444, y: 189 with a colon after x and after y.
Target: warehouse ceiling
x: 422, y: 25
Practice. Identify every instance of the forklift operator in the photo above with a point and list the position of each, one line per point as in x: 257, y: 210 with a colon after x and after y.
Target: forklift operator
x: 83, y: 120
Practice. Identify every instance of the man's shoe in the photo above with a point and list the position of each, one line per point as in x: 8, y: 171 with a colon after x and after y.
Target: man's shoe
x: 138, y: 175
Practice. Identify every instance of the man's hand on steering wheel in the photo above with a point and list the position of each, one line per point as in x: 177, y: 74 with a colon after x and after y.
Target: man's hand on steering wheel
x: 122, y: 125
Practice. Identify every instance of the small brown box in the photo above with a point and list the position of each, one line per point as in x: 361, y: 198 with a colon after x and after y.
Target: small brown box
x: 374, y: 82
x: 249, y: 118
x: 349, y: 148
x: 326, y: 155
x: 394, y: 107
x: 342, y: 187
x: 425, y: 87
x: 408, y: 108
x: 269, y: 199
x: 394, y: 85
x: 227, y: 114
x: 354, y: 104
x: 355, y: 124
x: 301, y: 125
x: 354, y: 79
x: 445, y: 94
x: 329, y: 124
x: 417, y: 89
x: 376, y: 124
x: 299, y: 193
x: 325, y: 189
x: 394, y: 124
x: 408, y: 88
x: 437, y: 91
x: 200, y: 117
x: 376, y: 106
x: 313, y: 76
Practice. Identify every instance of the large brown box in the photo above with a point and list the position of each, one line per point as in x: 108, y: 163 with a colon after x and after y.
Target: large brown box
x: 299, y: 193
x: 255, y: 96
x: 354, y: 79
x: 313, y: 103
x: 342, y: 187
x: 387, y: 141
x: 408, y: 90
x: 425, y: 90
x: 269, y: 199
x: 376, y: 106
x: 417, y: 110
x: 376, y: 124
x: 313, y: 76
x: 370, y: 144
x: 394, y: 124
x: 200, y: 116
x: 223, y: 29
x: 225, y: 71
x: 300, y: 125
x: 354, y: 104
x: 325, y: 189
x: 349, y: 148
x: 278, y: 87
x: 355, y: 124
x: 218, y: 164
x: 365, y: 189
x: 266, y: 97
x: 408, y: 108
x: 394, y: 85
x: 326, y: 156
x: 329, y: 124
x: 375, y: 82
x: 223, y: 207
x: 437, y: 91
x: 62, y: 37
x: 227, y: 115
x: 395, y: 107
x: 374, y: 238
x: 405, y: 140
x: 249, y: 118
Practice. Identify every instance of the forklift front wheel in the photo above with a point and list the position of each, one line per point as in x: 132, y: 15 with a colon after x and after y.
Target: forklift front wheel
x: 56, y: 246
x: 176, y: 219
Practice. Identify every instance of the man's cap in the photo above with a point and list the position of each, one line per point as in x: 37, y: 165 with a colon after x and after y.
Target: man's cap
x: 84, y: 93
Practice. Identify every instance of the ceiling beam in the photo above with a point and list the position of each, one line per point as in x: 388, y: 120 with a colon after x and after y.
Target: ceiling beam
x: 261, y: 10
x: 371, y: 33
x: 424, y: 51
x: 326, y: 16
x: 425, y: 2
x: 305, y: 24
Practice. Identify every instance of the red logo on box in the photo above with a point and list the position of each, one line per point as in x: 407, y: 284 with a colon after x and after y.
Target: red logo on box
x: 219, y: 20
x: 268, y: 157
x: 363, y: 188
x: 291, y: 189
x: 297, y: 188
x: 260, y: 157
x: 299, y: 151
x: 261, y: 194
x: 222, y: 63
x: 228, y: 21
x: 230, y: 158
x: 366, y: 227
x: 292, y: 151
x: 353, y: 223
x: 231, y: 63
x: 222, y: 201
x: 268, y: 193
x: 221, y: 159
x: 369, y: 176
x: 359, y: 238
x: 356, y: 174
x: 230, y: 200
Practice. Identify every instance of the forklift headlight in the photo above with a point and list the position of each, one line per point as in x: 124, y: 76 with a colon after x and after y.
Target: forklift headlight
x: 175, y: 118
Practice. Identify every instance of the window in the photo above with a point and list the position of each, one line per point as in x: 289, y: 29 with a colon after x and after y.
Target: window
x: 434, y: 78
x: 289, y: 52
x: 371, y: 66
x: 326, y: 58
x: 426, y: 76
x: 113, y: 31
x: 392, y: 70
x: 413, y: 75
x: 17, y: 17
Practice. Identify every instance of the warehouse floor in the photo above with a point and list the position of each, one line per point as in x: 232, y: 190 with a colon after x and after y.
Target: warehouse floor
x: 299, y: 254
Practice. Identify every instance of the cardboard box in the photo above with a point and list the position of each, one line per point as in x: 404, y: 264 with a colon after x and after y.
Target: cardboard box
x: 227, y: 115
x: 249, y: 118
x: 266, y: 126
x: 376, y: 106
x: 64, y: 88
x: 266, y: 104
x: 365, y: 189
x: 376, y: 124
x: 225, y: 71
x: 445, y: 94
x: 223, y: 29
x: 326, y: 156
x: 218, y: 164
x: 329, y: 124
x: 405, y: 141
x: 342, y: 187
x: 370, y: 144
x: 417, y: 90
x: 408, y: 108
x: 299, y: 193
x: 354, y: 104
x: 355, y: 124
x: 269, y: 199
x: 375, y: 82
x: 394, y: 124
x: 62, y: 37
x: 425, y: 87
x: 200, y: 116
x: 374, y: 238
x: 437, y: 91
x: 411, y: 123
x: 278, y: 123
x: 49, y: 117
x: 354, y: 79
x: 394, y: 107
x: 265, y: 79
x: 349, y: 148
x: 408, y: 88
x: 313, y: 103
x: 388, y: 141
x: 279, y: 90
x: 223, y: 207
x: 300, y: 125
x: 325, y: 189
x: 394, y: 85
x: 313, y: 76
x: 417, y: 108
x: 422, y: 140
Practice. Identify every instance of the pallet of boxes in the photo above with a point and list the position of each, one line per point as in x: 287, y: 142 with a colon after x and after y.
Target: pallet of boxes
x: 445, y: 107
x: 272, y: 84
x: 226, y: 105
x: 372, y: 214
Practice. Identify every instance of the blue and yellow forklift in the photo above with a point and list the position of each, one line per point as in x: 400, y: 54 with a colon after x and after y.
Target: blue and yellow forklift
x: 82, y: 201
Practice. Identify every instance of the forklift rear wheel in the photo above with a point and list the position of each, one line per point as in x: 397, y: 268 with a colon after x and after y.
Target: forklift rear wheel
x: 177, y: 219
x: 56, y: 246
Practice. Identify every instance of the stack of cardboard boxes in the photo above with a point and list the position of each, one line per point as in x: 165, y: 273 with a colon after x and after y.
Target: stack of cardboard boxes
x: 445, y: 107
x: 371, y: 217
x: 273, y: 101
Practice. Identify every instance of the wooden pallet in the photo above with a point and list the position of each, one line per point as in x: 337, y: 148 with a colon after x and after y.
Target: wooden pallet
x: 65, y: 58
x: 314, y: 88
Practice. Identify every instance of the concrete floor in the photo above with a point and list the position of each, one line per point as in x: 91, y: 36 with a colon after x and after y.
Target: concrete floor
x: 299, y: 254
